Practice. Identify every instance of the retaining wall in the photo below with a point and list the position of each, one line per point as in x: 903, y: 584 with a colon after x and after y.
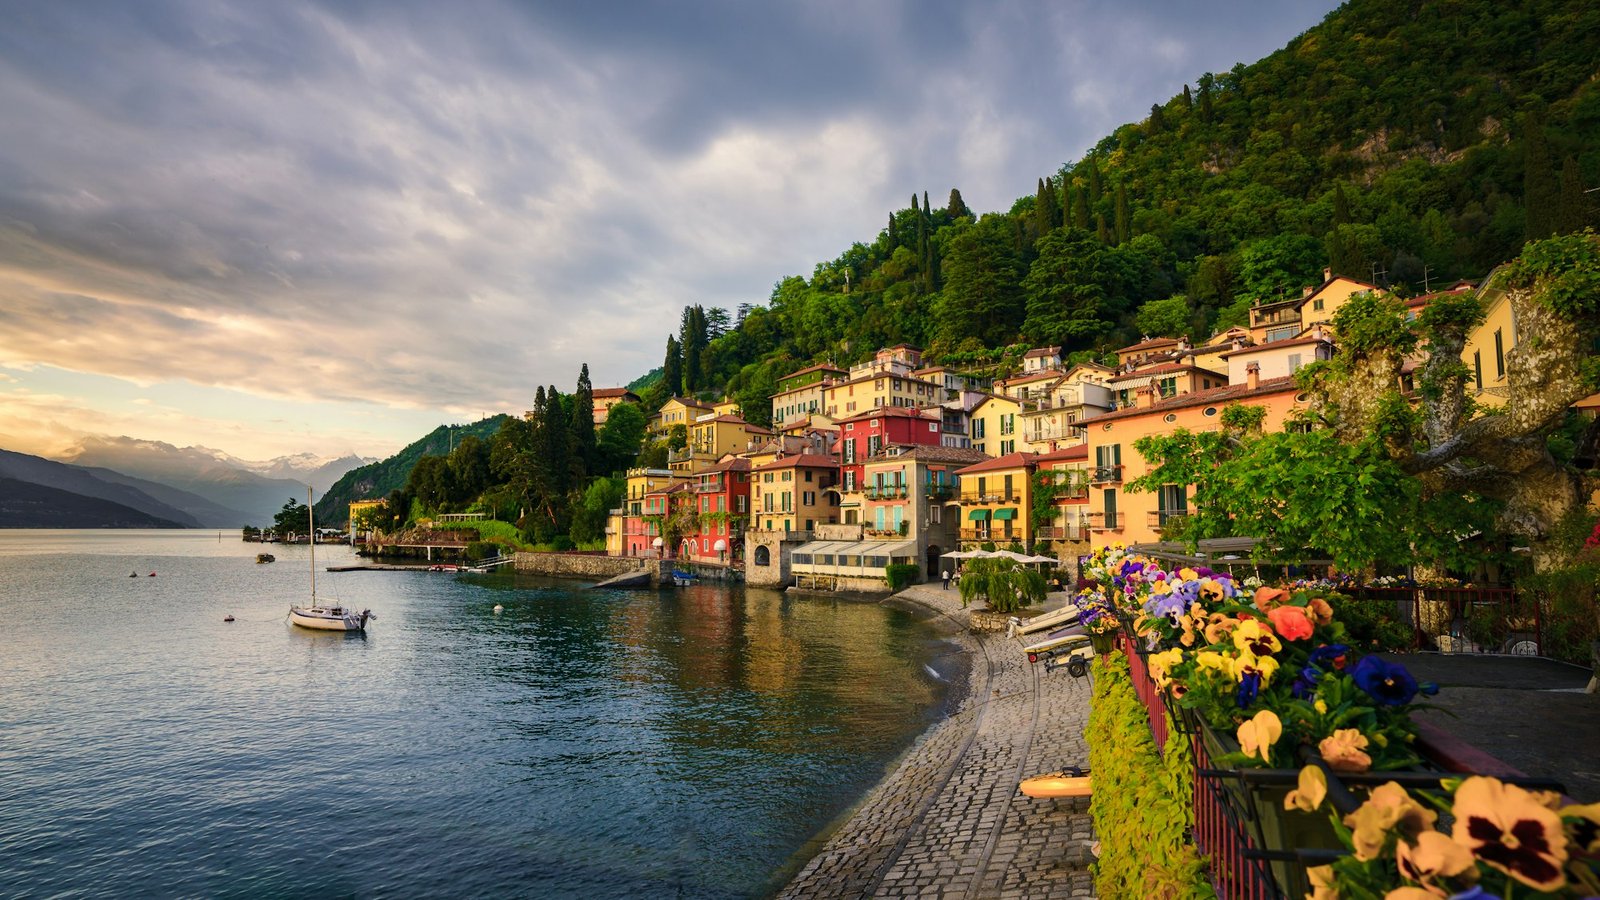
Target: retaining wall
x: 577, y: 565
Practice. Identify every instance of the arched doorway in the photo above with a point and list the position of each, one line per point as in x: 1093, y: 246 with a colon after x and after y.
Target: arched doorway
x: 763, y: 555
x: 934, y: 562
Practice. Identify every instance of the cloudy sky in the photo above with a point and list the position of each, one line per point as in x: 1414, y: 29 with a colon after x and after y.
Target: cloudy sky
x: 280, y: 227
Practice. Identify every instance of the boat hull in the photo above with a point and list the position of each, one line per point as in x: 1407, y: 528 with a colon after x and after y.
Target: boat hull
x: 325, y: 619
x: 1062, y: 616
x: 1059, y: 784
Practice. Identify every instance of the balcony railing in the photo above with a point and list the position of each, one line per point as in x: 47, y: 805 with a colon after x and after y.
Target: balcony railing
x: 941, y: 491
x: 619, y: 511
x: 1100, y: 521
x: 1106, y: 475
x: 708, y: 487
x: 1160, y: 517
x: 1072, y: 531
x: 885, y: 492
x: 991, y: 496
x: 974, y: 534
x: 882, y: 533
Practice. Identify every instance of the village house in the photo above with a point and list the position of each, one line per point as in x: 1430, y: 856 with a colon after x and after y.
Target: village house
x: 994, y: 425
x: 721, y: 505
x: 629, y: 526
x: 1319, y: 303
x: 996, y: 499
x: 913, y: 495
x: 712, y: 437
x: 791, y: 493
x: 802, y: 394
x: 676, y: 411
x: 1065, y: 474
x: 607, y: 398
x: 1166, y: 379
x: 1280, y: 358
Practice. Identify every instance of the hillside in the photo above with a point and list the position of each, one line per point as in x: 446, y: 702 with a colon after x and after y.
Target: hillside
x: 24, y: 504
x: 111, y: 487
x: 376, y: 480
x: 1408, y: 144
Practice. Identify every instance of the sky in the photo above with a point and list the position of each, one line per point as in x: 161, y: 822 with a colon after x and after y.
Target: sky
x: 290, y: 227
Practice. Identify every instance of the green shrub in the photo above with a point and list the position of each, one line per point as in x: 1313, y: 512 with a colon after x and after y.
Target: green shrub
x: 481, y: 550
x: 1139, y: 814
x: 1373, y: 625
x: 900, y: 575
x: 561, y: 543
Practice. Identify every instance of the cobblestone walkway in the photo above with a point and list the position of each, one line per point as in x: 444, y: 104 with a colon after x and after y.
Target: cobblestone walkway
x: 949, y: 821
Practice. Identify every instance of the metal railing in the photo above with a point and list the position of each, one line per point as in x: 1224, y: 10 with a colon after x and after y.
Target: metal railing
x: 885, y: 492
x: 990, y: 496
x: 1100, y: 521
x: 1160, y: 517
x: 1106, y: 475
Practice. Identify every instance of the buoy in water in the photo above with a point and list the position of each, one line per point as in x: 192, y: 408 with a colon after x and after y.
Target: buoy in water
x: 152, y: 574
x: 499, y: 609
x: 133, y: 574
x: 227, y: 618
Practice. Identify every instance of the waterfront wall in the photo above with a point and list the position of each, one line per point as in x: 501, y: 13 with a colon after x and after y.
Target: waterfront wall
x: 593, y: 567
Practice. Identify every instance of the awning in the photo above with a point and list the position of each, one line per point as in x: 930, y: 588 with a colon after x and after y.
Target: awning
x: 978, y: 515
x: 1007, y: 513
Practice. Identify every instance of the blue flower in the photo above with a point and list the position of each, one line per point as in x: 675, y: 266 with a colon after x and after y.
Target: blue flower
x: 1170, y: 606
x: 1474, y: 893
x: 1388, y: 683
x: 1330, y: 656
x: 1249, y: 687
x: 1305, y: 684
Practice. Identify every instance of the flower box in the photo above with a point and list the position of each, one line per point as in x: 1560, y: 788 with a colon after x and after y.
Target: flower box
x: 1104, y: 642
x: 1256, y: 798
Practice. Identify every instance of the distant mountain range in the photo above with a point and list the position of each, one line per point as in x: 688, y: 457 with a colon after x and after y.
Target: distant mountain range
x: 24, y: 504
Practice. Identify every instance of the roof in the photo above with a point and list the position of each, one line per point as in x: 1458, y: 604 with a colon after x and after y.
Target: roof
x: 1275, y: 345
x: 902, y: 412
x: 1042, y: 352
x: 1163, y: 369
x: 1227, y: 394
x: 735, y: 420
x: 1020, y: 459
x: 733, y: 464
x: 819, y: 367
x: 1330, y: 280
x: 800, y: 461
x: 606, y: 393
x: 904, y: 347
x: 1063, y: 455
x: 687, y: 401
x: 1150, y: 344
x: 932, y: 454
x: 1030, y: 377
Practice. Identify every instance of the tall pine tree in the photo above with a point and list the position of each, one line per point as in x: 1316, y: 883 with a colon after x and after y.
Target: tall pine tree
x: 1124, y: 220
x: 583, y: 435
x: 957, y: 207
x: 672, y: 367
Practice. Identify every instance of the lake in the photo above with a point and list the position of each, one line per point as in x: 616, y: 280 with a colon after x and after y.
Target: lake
x: 684, y: 742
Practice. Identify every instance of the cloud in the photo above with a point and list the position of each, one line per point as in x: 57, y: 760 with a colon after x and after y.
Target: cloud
x: 433, y: 206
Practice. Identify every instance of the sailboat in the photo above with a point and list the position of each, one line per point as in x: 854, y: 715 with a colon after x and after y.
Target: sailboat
x: 319, y: 616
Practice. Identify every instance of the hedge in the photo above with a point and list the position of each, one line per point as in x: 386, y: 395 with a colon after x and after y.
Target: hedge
x: 900, y: 575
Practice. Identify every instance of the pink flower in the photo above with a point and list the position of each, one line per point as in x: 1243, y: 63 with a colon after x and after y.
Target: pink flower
x: 1290, y: 622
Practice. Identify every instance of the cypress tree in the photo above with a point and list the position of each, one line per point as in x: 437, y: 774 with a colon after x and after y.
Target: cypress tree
x: 1101, y: 230
x: 584, y: 440
x: 1066, y: 201
x: 1570, y: 211
x: 893, y: 241
x: 1188, y: 99
x: 1157, y: 119
x: 672, y: 368
x: 914, y: 206
x: 1206, y: 81
x: 1540, y: 189
x: 1124, y: 225
x: 1094, y: 183
x: 957, y: 207
x: 554, y: 449
x: 1080, y: 210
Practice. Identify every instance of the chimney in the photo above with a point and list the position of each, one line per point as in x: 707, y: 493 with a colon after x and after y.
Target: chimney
x: 1308, y: 290
x: 1252, y: 376
x: 1327, y: 273
x: 1144, y: 397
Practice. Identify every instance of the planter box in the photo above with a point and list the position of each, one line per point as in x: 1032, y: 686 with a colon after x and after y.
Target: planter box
x: 1259, y: 810
x: 1104, y: 643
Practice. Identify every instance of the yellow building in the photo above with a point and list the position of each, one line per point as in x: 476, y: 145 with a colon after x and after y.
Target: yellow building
x: 994, y: 425
x: 1167, y: 380
x: 1320, y: 303
x: 361, y: 511
x: 864, y: 393
x: 713, y: 437
x: 791, y: 493
x: 996, y: 499
x: 802, y: 394
x: 677, y: 411
x: 607, y: 398
x: 1053, y: 416
x: 1488, y: 347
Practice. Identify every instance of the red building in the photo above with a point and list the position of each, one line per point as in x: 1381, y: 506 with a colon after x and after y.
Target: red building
x: 722, y: 504
x: 872, y: 433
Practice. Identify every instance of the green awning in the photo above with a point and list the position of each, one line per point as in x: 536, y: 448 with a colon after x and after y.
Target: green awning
x: 978, y: 515
x: 1007, y: 513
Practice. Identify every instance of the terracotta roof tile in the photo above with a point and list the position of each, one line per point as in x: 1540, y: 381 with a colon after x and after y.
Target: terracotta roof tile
x: 1016, y: 460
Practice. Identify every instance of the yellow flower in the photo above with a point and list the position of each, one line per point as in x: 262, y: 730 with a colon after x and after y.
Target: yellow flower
x: 1322, y: 883
x: 1344, y: 751
x: 1321, y: 706
x: 1188, y: 574
x: 1310, y: 793
x: 1434, y: 856
x: 1411, y: 893
x: 1255, y: 637
x: 1510, y: 829
x: 1583, y: 826
x: 1161, y: 664
x: 1212, y: 660
x: 1389, y: 807
x: 1264, y: 666
x: 1257, y: 736
x: 1218, y: 627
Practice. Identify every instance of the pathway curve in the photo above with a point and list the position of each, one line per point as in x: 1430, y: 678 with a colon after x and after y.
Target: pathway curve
x: 949, y: 821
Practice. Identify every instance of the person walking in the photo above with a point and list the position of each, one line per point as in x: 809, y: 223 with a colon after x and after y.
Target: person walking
x: 946, y: 576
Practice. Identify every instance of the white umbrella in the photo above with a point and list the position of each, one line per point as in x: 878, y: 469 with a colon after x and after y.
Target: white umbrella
x: 1013, y: 556
x: 1044, y: 559
x: 956, y: 554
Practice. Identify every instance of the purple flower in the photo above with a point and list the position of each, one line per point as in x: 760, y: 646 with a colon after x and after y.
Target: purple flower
x: 1170, y: 606
x: 1305, y: 684
x: 1330, y: 656
x: 1474, y: 893
x: 1249, y: 687
x: 1204, y: 572
x: 1388, y: 683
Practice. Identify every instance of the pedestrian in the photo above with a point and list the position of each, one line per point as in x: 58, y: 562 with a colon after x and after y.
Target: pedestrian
x: 946, y: 576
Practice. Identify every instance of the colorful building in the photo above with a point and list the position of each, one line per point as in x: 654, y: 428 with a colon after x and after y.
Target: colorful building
x: 914, y: 495
x: 994, y: 425
x: 1320, y: 303
x: 607, y: 398
x: 1279, y: 358
x: 792, y: 493
x: 633, y: 527
x: 1065, y: 473
x: 677, y: 411
x: 996, y: 499
x: 721, y: 503
x: 802, y: 394
x: 713, y: 437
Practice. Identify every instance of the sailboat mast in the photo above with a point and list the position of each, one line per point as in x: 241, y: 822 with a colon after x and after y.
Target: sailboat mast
x: 311, y: 520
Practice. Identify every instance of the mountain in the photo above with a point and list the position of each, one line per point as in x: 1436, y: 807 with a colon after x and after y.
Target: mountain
x: 24, y: 504
x: 1405, y: 144
x: 114, y: 490
x: 194, y: 470
x: 209, y: 514
x: 307, y: 468
x: 375, y: 480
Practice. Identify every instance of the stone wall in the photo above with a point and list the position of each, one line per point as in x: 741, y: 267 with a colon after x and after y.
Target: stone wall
x: 593, y: 567
x: 778, y: 547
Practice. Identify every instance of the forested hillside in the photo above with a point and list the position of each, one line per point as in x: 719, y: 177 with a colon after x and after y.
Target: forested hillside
x: 376, y: 480
x: 1409, y: 143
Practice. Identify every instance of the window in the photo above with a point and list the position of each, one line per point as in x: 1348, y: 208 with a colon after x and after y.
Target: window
x: 1174, y: 502
x: 1111, y: 507
x: 934, y: 513
x: 1008, y: 447
x: 1008, y: 423
x: 977, y: 429
x: 809, y: 498
x: 742, y: 500
x: 1317, y: 304
x: 809, y: 473
x: 1167, y: 387
x: 1477, y: 368
x: 1499, y: 355
x: 1294, y: 362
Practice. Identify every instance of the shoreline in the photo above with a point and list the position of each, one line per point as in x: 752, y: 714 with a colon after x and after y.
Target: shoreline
x: 947, y: 817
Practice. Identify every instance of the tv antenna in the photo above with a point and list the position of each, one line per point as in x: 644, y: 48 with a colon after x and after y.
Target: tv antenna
x: 1378, y: 273
x: 1425, y: 271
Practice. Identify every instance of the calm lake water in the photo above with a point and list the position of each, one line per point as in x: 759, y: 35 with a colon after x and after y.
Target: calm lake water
x: 686, y: 742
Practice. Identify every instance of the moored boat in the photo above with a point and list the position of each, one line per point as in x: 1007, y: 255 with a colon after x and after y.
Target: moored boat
x: 322, y: 617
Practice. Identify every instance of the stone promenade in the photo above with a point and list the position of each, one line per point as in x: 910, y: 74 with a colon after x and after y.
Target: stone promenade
x: 949, y: 820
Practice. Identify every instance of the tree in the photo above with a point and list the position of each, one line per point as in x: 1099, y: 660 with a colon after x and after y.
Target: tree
x: 1124, y: 220
x: 983, y: 283
x: 582, y: 424
x: 672, y: 368
x: 1065, y: 294
x: 1165, y: 318
x: 590, y: 514
x: 1277, y: 266
x: 1572, y: 205
x: 1004, y: 584
x: 430, y: 482
x: 621, y: 437
x: 293, y: 518
x: 1540, y: 189
x: 469, y: 469
x: 957, y: 207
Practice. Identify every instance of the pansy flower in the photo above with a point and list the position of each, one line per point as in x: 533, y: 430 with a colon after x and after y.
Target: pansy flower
x: 1508, y: 828
x: 1320, y: 610
x: 1305, y: 684
x: 1257, y: 735
x: 1309, y: 793
x: 1388, y: 807
x: 1256, y: 638
x: 1432, y: 857
x: 1345, y: 751
x: 1388, y: 683
x: 1583, y: 826
x: 1218, y: 627
x: 1331, y: 656
x: 1290, y: 622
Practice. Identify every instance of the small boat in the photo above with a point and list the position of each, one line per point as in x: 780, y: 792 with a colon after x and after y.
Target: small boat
x: 265, y: 558
x: 319, y: 616
x: 1054, y: 643
x: 227, y: 618
x: 1066, y: 615
x: 444, y: 567
x: 1072, y: 782
x: 682, y: 578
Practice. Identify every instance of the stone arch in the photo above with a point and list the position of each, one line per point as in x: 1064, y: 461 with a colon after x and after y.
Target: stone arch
x: 763, y: 555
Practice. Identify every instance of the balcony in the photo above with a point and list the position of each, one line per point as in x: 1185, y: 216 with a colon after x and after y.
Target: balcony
x: 885, y: 492
x: 1106, y: 475
x: 1099, y: 521
x: 1010, y: 496
x: 708, y: 487
x: 941, y: 491
x: 882, y: 534
x: 974, y: 534
x: 619, y: 511
x: 1158, y: 518
x: 1071, y: 531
